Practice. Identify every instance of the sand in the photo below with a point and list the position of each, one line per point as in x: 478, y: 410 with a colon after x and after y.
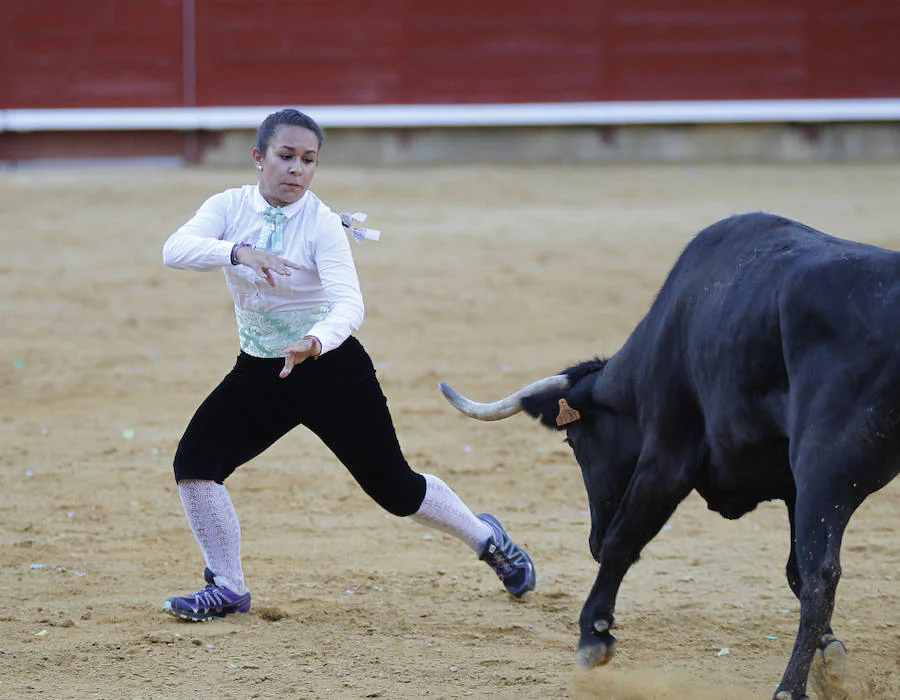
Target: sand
x: 486, y: 278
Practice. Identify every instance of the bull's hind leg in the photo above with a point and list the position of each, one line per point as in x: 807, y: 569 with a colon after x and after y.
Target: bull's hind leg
x: 828, y: 673
x: 655, y: 490
x: 820, y: 518
x: 828, y: 670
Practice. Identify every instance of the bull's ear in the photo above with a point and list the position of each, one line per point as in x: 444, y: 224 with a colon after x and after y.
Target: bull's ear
x: 553, y: 410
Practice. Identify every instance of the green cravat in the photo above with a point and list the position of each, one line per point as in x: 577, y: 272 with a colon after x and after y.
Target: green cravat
x: 273, y: 230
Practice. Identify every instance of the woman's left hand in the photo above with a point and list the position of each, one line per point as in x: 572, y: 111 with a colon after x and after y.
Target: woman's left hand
x: 264, y: 264
x: 309, y: 346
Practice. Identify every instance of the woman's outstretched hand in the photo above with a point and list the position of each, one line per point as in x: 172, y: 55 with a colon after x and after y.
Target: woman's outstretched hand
x: 265, y: 264
x: 294, y: 354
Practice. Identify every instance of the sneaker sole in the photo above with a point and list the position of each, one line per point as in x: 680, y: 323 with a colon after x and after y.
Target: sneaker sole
x: 167, y: 607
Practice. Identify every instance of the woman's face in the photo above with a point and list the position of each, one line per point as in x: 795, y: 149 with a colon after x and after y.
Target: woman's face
x: 287, y: 168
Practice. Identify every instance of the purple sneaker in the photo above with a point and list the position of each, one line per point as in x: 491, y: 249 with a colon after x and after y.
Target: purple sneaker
x: 210, y: 603
x: 511, y: 563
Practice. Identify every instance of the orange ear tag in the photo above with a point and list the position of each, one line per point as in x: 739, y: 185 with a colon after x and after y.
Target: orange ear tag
x: 567, y: 414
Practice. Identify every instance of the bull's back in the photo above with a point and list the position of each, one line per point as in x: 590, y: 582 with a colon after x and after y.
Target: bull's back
x: 737, y: 278
x: 745, y: 291
x: 726, y: 283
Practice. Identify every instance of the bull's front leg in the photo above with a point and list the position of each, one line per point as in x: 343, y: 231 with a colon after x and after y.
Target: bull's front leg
x: 597, y: 644
x: 648, y: 503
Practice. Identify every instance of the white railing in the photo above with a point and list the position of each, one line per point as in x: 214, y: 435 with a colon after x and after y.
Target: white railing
x: 457, y: 115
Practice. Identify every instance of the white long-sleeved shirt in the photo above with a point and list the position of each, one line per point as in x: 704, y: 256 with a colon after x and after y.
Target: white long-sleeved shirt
x: 322, y: 299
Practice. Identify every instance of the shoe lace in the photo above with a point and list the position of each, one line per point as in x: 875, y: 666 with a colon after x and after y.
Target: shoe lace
x: 209, y: 598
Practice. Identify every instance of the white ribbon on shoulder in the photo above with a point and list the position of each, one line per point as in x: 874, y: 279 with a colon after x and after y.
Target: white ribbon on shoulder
x: 351, y: 222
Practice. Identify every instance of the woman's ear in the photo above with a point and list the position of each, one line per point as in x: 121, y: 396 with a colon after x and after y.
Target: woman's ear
x: 257, y: 157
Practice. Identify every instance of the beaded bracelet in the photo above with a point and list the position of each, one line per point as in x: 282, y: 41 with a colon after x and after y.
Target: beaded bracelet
x: 235, y: 248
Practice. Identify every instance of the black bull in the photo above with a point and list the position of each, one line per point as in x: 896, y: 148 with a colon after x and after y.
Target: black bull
x: 767, y: 368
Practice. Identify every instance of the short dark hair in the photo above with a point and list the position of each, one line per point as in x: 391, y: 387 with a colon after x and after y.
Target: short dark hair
x: 291, y: 117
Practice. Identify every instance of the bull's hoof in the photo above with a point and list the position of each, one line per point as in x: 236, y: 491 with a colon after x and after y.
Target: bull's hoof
x: 829, y: 670
x: 784, y: 695
x: 596, y: 654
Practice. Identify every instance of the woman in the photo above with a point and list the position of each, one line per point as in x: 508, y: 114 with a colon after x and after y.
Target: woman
x: 289, y: 269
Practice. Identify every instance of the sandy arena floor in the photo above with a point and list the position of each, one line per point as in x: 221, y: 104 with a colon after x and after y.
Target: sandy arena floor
x: 487, y: 278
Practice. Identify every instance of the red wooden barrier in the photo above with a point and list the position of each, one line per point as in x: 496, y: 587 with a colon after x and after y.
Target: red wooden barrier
x: 137, y: 53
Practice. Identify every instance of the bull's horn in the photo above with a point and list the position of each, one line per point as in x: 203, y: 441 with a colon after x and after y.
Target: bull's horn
x: 504, y: 408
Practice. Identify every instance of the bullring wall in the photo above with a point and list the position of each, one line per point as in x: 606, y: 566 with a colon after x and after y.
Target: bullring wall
x: 146, y: 54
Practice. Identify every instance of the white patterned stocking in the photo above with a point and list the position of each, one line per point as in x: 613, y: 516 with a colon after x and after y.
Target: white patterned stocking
x: 443, y: 510
x: 214, y: 522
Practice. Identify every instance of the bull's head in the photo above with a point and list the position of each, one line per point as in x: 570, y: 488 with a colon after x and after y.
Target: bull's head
x: 605, y: 441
